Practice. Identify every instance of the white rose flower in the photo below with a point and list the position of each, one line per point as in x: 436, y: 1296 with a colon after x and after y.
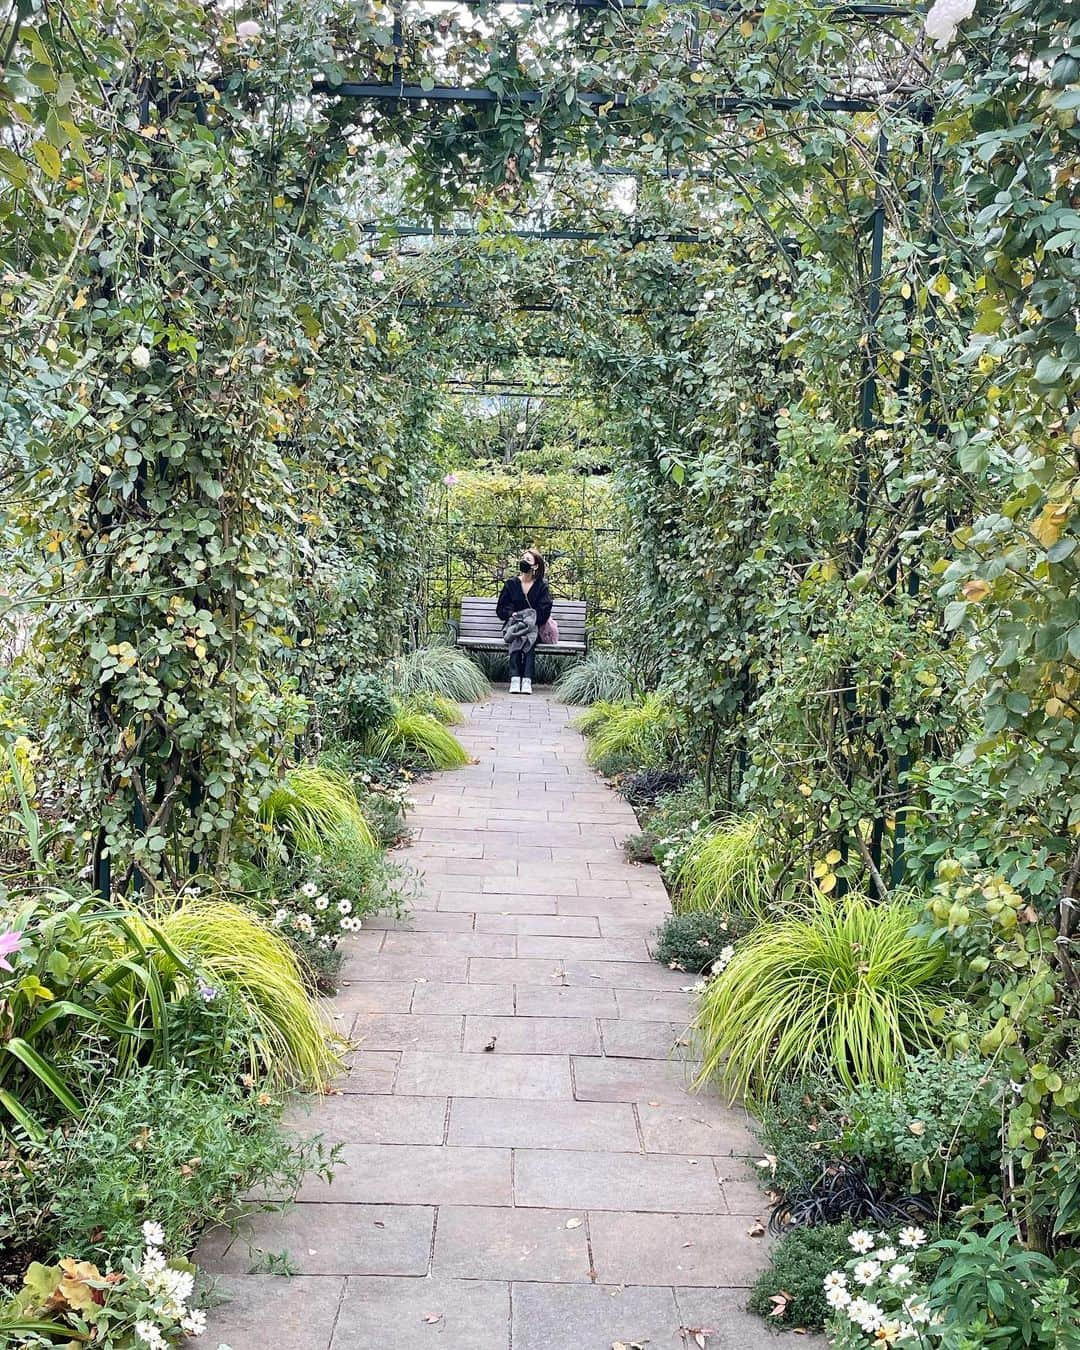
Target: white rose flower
x: 944, y: 17
x: 140, y: 357
x: 249, y: 30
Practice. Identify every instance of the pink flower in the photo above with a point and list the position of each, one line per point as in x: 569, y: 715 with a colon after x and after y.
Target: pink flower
x: 378, y: 275
x: 10, y: 942
x: 451, y: 479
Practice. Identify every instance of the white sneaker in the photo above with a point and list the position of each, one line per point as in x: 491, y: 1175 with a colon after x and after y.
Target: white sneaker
x: 515, y: 685
x: 526, y: 686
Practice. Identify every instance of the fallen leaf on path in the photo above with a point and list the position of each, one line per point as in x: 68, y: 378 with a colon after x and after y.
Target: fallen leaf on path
x: 780, y: 1302
x: 758, y: 1230
x: 574, y: 1223
x: 699, y: 1335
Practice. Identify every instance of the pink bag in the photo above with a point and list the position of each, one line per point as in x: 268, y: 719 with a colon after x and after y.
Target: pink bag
x: 548, y: 633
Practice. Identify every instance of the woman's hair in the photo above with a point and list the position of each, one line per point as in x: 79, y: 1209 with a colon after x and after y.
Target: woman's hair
x: 541, y: 565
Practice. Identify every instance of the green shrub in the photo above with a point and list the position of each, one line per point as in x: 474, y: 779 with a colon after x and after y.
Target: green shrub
x: 843, y: 990
x: 726, y: 869
x: 313, y: 807
x: 797, y: 1127
x: 938, y: 1130
x: 355, y: 706
x: 791, y: 1292
x: 640, y: 848
x: 438, y: 669
x: 599, y: 676
x: 693, y: 942
x: 417, y: 740
x: 157, y: 1146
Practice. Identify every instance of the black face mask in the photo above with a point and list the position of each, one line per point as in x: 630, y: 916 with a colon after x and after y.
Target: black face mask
x: 524, y: 566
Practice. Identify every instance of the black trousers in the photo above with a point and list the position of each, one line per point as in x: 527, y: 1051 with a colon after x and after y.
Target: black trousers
x: 522, y: 663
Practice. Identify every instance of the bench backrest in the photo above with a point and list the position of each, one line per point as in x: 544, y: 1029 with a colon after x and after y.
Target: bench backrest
x: 479, y: 620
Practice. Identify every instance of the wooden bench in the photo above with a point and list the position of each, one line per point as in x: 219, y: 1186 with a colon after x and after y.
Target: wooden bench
x: 480, y: 628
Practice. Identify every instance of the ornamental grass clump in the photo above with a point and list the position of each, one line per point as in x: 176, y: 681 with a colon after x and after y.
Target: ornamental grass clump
x: 842, y: 989
x: 601, y: 676
x: 418, y: 740
x: 630, y: 735
x: 726, y: 870
x: 438, y: 669
x: 314, y: 807
x: 289, y: 1042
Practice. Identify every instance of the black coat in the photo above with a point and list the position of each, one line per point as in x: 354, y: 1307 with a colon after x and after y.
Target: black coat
x: 513, y: 598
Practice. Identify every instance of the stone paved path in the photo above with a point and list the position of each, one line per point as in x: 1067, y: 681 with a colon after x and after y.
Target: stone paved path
x: 525, y: 1167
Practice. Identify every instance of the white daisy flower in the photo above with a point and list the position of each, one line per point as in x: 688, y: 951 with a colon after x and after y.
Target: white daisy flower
x: 322, y: 903
x: 857, y: 1309
x: 309, y: 889
x: 917, y: 1310
x: 150, y: 1335
x: 344, y: 906
x: 836, y: 1279
x: 861, y: 1241
x: 873, y: 1317
x: 866, y: 1272
x: 900, y: 1273
x: 837, y: 1298
x: 194, y: 1324
x: 153, y: 1234
x: 911, y: 1238
x: 885, y: 1255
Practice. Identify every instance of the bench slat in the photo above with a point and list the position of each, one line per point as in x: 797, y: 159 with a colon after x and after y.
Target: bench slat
x: 481, y: 628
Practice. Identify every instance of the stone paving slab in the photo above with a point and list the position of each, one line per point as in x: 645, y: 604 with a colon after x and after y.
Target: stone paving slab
x: 302, y: 1312
x: 665, y: 1081
x: 564, y: 1186
x: 415, y: 1174
x: 559, y: 1125
x: 385, y: 1314
x: 622, y: 1181
x: 533, y: 1035
x: 628, y: 1038
x: 435, y: 997
x: 482, y: 1243
x: 337, y: 1240
x: 686, y: 1249
x: 408, y: 1031
x: 700, y: 1126
x: 364, y: 1119
x: 594, y: 1317
x: 527, y: 1077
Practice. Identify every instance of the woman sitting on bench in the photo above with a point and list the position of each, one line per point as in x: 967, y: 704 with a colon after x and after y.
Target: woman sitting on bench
x: 524, y: 607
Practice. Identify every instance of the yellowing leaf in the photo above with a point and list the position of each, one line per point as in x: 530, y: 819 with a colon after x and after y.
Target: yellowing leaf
x: 1049, y: 523
x: 48, y: 157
